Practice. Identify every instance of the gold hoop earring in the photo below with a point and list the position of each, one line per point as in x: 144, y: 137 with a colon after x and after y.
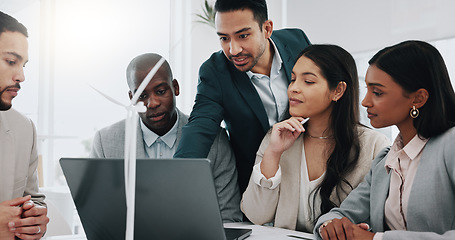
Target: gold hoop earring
x: 414, y: 112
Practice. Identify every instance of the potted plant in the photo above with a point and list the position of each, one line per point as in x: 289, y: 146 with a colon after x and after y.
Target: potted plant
x: 208, y: 15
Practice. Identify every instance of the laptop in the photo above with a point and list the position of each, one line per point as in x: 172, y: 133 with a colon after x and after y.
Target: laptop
x: 175, y: 199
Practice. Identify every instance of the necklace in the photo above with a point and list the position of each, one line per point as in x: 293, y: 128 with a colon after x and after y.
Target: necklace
x: 326, y: 137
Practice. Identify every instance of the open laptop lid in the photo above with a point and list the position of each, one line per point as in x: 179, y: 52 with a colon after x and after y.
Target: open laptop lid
x: 175, y: 198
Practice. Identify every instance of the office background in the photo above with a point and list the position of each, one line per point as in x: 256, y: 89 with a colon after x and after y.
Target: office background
x: 76, y: 44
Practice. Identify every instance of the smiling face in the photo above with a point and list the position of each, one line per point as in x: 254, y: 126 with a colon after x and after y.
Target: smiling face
x: 242, y: 40
x: 309, y: 93
x: 386, y: 102
x: 159, y: 98
x: 13, y: 57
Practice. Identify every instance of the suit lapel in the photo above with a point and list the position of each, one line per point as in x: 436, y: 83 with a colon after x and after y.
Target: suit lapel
x: 288, y: 59
x: 183, y: 119
x: 286, y: 56
x: 378, y: 197
x: 7, y: 162
x: 251, y: 96
x: 140, y: 147
x: 289, y: 199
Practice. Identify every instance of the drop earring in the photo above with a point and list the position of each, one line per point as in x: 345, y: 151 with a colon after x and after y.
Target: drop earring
x: 414, y: 112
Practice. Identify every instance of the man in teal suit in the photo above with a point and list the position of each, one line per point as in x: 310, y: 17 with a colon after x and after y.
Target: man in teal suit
x: 245, y: 84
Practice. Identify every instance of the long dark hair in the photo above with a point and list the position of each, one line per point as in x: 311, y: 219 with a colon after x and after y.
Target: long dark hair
x: 415, y: 65
x: 337, y: 65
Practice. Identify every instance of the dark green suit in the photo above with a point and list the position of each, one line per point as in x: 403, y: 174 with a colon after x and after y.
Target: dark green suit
x: 225, y: 93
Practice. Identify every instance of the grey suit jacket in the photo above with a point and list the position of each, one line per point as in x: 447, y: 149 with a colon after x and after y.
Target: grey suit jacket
x: 18, y: 157
x: 109, y: 142
x: 431, y: 206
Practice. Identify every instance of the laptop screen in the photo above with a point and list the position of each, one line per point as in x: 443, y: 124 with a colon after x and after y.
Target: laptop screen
x: 175, y: 198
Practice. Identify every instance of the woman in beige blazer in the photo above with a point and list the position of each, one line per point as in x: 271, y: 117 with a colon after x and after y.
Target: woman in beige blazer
x: 303, y: 171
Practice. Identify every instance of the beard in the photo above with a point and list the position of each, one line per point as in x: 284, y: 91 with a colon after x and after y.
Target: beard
x: 250, y: 65
x: 3, y: 105
x: 245, y: 67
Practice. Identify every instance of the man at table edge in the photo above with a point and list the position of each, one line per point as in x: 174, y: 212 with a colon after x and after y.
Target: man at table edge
x: 23, y: 213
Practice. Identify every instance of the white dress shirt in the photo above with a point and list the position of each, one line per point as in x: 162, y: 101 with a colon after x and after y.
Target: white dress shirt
x: 273, y: 90
x: 160, y: 146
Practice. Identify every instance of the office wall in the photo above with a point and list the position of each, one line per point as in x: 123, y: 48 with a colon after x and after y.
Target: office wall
x: 362, y: 25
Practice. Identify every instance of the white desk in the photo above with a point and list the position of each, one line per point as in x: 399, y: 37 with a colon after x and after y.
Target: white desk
x: 259, y: 233
x: 66, y: 237
x: 270, y: 233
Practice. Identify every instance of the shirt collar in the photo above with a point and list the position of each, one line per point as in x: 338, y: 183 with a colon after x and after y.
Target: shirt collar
x: 169, y: 138
x: 4, y: 126
x: 412, y: 149
x: 276, y: 63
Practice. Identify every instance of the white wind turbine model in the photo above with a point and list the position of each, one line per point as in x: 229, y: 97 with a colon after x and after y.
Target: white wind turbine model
x: 130, y: 147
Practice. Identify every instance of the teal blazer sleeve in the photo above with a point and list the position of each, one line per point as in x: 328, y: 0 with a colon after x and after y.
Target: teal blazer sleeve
x: 431, y: 206
x: 224, y: 93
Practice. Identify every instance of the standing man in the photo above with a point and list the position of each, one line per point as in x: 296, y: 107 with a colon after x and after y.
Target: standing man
x: 245, y: 84
x: 160, y: 128
x: 23, y: 213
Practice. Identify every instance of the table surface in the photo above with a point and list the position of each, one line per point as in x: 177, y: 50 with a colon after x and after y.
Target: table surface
x: 259, y: 233
x: 266, y: 232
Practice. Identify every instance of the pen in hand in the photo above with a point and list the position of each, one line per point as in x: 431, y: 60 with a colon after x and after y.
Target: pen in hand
x: 305, y: 120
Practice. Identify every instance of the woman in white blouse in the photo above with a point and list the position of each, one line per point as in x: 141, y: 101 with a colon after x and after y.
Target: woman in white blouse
x: 410, y: 191
x: 303, y: 171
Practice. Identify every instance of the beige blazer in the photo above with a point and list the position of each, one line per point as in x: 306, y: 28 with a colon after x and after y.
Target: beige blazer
x: 280, y: 205
x: 18, y: 157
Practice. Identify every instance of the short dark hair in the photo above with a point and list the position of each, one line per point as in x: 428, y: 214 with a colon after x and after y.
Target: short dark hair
x: 258, y: 7
x: 8, y: 23
x: 337, y: 65
x: 415, y: 65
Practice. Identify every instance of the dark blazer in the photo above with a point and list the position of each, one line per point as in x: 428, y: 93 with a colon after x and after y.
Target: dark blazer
x: 225, y: 93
